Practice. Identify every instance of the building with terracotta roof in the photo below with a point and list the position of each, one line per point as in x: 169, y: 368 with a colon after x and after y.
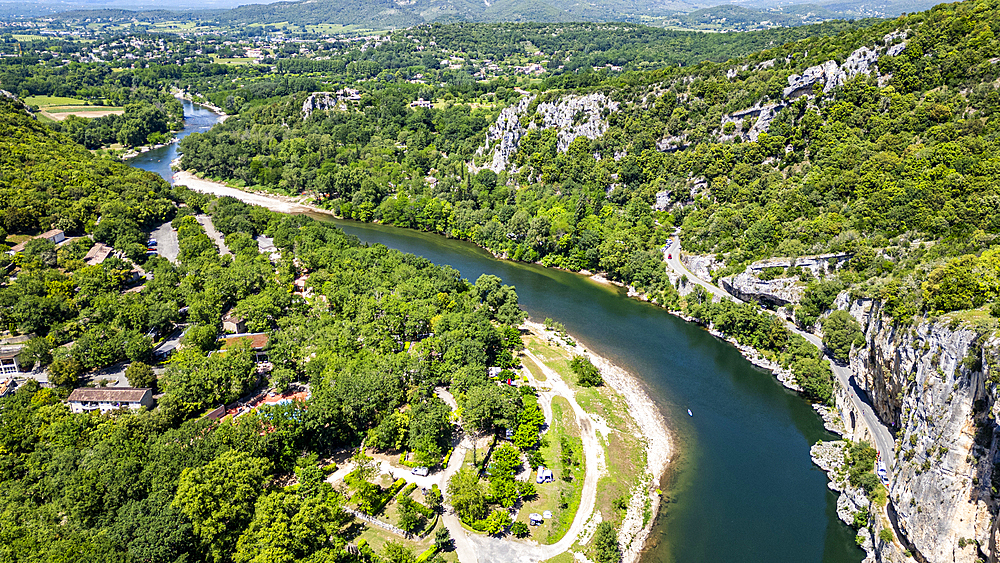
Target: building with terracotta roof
x: 233, y: 323
x: 7, y: 387
x: 257, y: 340
x: 106, y: 399
x: 97, y: 254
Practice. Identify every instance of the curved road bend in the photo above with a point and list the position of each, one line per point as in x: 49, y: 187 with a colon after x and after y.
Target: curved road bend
x: 884, y: 442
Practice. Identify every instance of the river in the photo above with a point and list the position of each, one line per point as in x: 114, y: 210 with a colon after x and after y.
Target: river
x: 741, y: 486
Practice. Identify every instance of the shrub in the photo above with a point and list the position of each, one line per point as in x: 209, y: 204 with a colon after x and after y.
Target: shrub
x: 840, y: 333
x: 886, y: 535
x: 140, y: 375
x: 497, y: 522
x: 606, y: 548
x: 519, y: 529
x: 586, y: 372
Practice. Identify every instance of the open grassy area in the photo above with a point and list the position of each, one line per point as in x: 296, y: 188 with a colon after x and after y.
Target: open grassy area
x: 625, y: 452
x: 562, y: 497
x: 236, y: 61
x: 533, y: 368
x: 44, y: 102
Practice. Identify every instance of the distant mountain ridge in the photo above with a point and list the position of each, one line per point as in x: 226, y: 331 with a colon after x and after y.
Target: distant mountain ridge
x: 384, y: 14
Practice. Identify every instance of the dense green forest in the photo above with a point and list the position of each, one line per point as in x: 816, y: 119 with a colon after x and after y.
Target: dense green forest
x: 892, y: 166
x: 168, y: 485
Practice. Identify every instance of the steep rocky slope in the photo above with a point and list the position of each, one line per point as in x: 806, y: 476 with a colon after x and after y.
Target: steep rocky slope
x: 935, y: 383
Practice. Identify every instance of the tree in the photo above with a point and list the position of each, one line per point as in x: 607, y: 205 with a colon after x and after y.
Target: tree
x: 586, y: 372
x: 818, y: 297
x: 815, y: 377
x: 396, y: 552
x: 140, y: 375
x: 219, y: 498
x: 65, y: 370
x: 489, y: 406
x: 506, y: 460
x: 497, y: 522
x: 409, y: 519
x: 433, y: 498
x: 442, y: 539
x: 840, y: 333
x: 467, y: 495
x: 37, y: 350
x: 287, y: 528
x: 430, y: 427
x: 606, y: 548
x: 520, y: 529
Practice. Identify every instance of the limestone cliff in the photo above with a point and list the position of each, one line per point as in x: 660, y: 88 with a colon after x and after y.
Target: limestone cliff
x: 572, y: 116
x: 931, y: 383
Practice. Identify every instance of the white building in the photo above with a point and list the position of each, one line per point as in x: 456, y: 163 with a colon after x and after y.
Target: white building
x: 105, y: 399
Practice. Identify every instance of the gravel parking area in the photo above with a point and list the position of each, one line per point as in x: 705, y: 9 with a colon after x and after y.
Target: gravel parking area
x: 166, y: 241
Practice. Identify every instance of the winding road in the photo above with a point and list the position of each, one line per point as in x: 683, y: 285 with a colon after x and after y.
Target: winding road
x: 883, y: 439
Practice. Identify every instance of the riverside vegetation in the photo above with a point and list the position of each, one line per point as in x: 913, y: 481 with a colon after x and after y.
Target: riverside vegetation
x: 892, y: 166
x: 375, y: 334
x: 168, y: 484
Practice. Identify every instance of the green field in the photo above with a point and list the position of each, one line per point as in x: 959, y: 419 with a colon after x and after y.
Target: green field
x: 49, y: 101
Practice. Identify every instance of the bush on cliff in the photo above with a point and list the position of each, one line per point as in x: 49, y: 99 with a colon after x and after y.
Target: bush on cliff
x: 840, y: 333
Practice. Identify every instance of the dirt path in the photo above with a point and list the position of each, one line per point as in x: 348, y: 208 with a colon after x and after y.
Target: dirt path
x: 216, y: 236
x: 490, y: 549
x: 464, y: 548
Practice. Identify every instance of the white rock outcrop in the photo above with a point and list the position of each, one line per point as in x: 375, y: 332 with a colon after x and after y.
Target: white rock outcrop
x: 780, y: 291
x: 573, y: 116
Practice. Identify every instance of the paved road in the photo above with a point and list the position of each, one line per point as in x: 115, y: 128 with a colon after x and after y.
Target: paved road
x: 884, y: 442
x: 672, y: 256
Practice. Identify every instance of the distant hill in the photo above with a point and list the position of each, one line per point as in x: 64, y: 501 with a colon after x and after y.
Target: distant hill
x: 382, y: 14
x: 385, y: 14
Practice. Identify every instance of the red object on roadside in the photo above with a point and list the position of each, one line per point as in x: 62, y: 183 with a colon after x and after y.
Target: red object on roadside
x: 670, y: 256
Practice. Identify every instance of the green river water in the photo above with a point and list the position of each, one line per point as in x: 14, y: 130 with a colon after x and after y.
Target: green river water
x: 741, y: 486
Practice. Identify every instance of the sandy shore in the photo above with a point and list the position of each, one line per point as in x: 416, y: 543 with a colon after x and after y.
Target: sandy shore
x: 652, y: 426
x: 274, y: 203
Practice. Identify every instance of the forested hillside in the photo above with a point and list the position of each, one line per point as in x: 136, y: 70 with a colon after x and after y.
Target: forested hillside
x: 47, y: 181
x: 891, y: 163
x: 168, y: 484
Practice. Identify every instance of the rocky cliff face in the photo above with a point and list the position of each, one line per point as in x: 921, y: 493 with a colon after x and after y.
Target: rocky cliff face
x: 931, y: 383
x: 781, y: 290
x: 827, y: 76
x: 572, y: 116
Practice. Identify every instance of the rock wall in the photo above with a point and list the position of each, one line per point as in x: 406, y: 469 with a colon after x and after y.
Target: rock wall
x: 930, y: 383
x: 572, y: 116
x: 780, y: 291
x: 827, y: 75
x: 777, y: 292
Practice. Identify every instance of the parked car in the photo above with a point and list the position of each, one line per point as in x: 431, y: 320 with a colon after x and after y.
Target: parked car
x: 421, y: 471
